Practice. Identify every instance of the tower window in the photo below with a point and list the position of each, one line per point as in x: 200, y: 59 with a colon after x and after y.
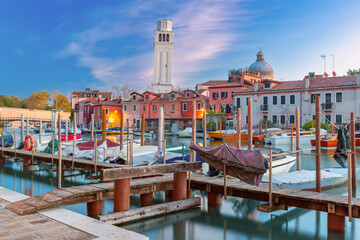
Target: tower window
x: 159, y: 37
x: 164, y: 37
x: 167, y: 37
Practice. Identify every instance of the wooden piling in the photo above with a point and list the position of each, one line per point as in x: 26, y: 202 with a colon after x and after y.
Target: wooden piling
x: 353, y: 149
x: 146, y: 199
x: 220, y: 125
x: 161, y: 128
x: 40, y: 130
x: 95, y: 154
x: 74, y: 140
x: 332, y: 128
x: 193, y: 129
x: 238, y: 128
x: 225, y: 182
x: 335, y: 222
x: 22, y: 128
x: 349, y: 186
x: 66, y: 130
x: 260, y: 126
x: 122, y: 195
x: 94, y: 209
x: 103, y: 126
x: 214, y: 199
x: 204, y: 128
x: 298, y: 157
x: 179, y: 186
x: 27, y: 125
x: 122, y: 128
x: 59, y: 167
x: 250, y: 129
x: 270, y: 176
x: 164, y: 150
x: 142, y: 129
x: 292, y: 137
x: 317, y: 141
x: 92, y: 127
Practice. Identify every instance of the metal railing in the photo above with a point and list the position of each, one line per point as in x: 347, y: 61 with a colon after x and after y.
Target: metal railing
x: 327, y: 106
x: 264, y: 107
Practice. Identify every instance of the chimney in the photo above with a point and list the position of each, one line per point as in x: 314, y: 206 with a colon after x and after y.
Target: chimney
x: 312, y: 75
x: 306, y: 81
x: 256, y: 87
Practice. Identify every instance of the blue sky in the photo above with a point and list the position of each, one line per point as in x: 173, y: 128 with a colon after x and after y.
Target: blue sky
x: 70, y: 45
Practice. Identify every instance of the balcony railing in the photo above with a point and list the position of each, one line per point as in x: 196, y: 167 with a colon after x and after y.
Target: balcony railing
x: 327, y: 106
x: 264, y: 107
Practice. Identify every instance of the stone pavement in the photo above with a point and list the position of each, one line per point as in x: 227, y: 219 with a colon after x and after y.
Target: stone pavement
x: 35, y: 226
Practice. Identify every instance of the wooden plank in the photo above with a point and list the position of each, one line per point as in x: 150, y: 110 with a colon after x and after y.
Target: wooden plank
x: 89, y: 188
x: 62, y: 193
x: 37, y: 203
x: 129, y: 172
x: 150, y: 211
x: 20, y: 208
x: 266, y: 208
x: 48, y: 197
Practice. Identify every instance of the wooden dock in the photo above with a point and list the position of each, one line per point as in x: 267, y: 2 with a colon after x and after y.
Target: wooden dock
x: 88, y: 193
x: 66, y: 161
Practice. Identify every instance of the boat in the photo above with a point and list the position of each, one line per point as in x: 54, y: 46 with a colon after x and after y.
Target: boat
x: 285, y: 138
x: 219, y: 134
x: 149, y: 134
x: 117, y: 130
x: 260, y: 137
x: 186, y: 133
x: 329, y: 141
x: 248, y: 166
x: 233, y: 137
x: 306, y: 179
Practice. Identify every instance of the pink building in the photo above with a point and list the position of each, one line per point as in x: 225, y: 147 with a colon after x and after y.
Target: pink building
x: 78, y: 96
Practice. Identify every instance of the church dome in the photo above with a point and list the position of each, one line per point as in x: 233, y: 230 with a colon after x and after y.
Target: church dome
x: 260, y: 65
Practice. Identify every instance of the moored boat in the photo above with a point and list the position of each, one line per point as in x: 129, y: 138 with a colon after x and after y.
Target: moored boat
x: 285, y: 138
x: 219, y: 134
x: 329, y: 141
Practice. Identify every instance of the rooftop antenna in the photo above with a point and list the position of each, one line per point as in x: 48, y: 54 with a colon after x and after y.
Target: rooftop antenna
x: 323, y: 56
x: 333, y: 57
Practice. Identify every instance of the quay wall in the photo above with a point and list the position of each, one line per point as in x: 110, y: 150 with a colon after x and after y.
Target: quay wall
x: 31, y: 113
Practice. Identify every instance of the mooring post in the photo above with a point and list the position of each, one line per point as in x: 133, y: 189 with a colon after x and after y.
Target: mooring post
x: 204, y: 127
x: 164, y: 150
x: 146, y: 199
x: 336, y: 222
x: 40, y: 130
x: 292, y: 137
x: 92, y: 127
x: 214, y: 199
x: 95, y: 154
x: 22, y: 128
x: 74, y: 141
x: 225, y: 182
x: 122, y: 195
x: 193, y: 129
x: 27, y: 125
x: 179, y: 185
x: 15, y: 149
x: 59, y: 167
x: 250, y: 129
x: 161, y: 128
x: 66, y: 130
x: 94, y: 209
x: 349, y: 186
x: 332, y: 128
x: 317, y: 141
x: 53, y: 144
x: 298, y: 157
x: 260, y: 126
x: 353, y: 149
x: 103, y: 126
x: 122, y: 128
x: 238, y: 128
x: 270, y: 176
x: 142, y: 129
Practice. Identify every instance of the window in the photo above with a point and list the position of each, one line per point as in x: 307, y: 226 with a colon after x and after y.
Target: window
x: 292, y: 119
x: 274, y: 119
x: 147, y: 96
x: 328, y: 118
x: 194, y: 95
x: 134, y: 121
x: 246, y: 120
x: 167, y: 37
x: 282, y: 119
x: 267, y: 85
x: 282, y: 100
x: 314, y: 117
x: 172, y: 96
x: 292, y: 99
x: 274, y: 100
x: 238, y: 102
x: 247, y: 100
x: 99, y: 111
x: 215, y: 95
x: 223, y: 94
x: 134, y: 108
x: 187, y: 95
x: 144, y: 108
x: 265, y: 118
x: 159, y: 37
x: 172, y: 108
x: 339, y: 97
x: 198, y: 106
x: 339, y: 118
x: 106, y: 111
x: 125, y: 107
x: 154, y: 108
x: 185, y: 107
x: 313, y: 97
x: 134, y: 97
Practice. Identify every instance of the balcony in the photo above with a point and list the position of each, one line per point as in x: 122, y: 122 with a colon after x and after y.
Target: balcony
x: 327, y: 106
x: 264, y: 107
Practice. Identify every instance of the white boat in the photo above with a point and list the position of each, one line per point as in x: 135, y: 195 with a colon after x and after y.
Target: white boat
x: 285, y: 138
x: 186, y: 133
x: 306, y: 179
x: 149, y: 134
x: 280, y: 164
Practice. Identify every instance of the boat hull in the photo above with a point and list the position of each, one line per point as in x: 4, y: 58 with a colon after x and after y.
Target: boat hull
x: 280, y: 140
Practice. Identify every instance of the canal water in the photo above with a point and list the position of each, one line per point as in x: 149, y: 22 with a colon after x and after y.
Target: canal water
x: 235, y: 218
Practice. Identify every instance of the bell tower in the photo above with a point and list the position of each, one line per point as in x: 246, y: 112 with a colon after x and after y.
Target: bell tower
x: 164, y: 46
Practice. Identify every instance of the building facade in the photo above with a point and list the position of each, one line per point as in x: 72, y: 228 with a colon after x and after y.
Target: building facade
x: 78, y: 96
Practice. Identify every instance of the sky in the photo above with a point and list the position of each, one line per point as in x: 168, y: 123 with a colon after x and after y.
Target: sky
x: 71, y: 45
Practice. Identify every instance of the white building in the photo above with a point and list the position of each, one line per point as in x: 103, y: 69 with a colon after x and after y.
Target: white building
x: 164, y: 46
x: 276, y: 100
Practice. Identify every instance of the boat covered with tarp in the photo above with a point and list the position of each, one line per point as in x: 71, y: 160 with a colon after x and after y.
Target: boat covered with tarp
x: 246, y: 165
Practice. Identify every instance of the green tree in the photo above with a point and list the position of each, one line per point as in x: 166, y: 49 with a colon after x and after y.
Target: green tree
x: 353, y: 72
x: 5, y: 101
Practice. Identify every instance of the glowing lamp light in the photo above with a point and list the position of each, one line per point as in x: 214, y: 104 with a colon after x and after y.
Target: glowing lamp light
x: 115, y: 111
x: 111, y: 120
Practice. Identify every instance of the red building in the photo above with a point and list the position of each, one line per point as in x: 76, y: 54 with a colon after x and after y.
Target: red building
x: 112, y: 110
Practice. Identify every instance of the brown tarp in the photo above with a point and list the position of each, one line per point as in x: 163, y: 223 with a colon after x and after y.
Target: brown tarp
x: 247, y: 165
x: 91, y: 144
